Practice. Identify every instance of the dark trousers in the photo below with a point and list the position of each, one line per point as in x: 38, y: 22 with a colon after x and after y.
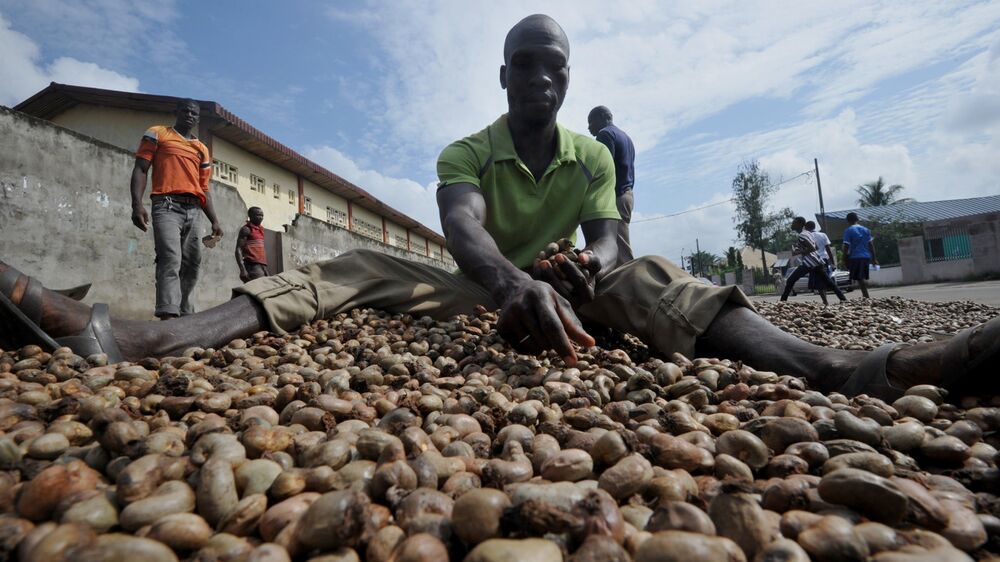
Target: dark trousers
x: 177, y: 241
x: 624, y: 203
x: 255, y: 270
x: 822, y: 278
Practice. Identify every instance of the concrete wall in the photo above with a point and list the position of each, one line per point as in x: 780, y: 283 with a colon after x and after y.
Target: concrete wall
x: 984, y: 235
x: 886, y: 276
x: 309, y: 240
x: 124, y: 127
x: 985, y: 242
x: 65, y: 218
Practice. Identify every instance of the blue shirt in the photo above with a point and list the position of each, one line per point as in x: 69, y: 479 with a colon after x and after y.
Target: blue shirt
x: 857, y: 238
x: 623, y: 153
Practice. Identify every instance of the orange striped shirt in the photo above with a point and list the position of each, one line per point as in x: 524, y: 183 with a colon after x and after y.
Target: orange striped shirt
x: 180, y: 165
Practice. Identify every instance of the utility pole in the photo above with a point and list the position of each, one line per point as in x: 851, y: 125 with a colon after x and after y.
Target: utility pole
x: 697, y: 249
x: 819, y: 187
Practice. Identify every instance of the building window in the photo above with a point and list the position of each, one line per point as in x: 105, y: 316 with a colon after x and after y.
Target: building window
x: 401, y: 241
x: 257, y: 183
x: 224, y: 172
x: 336, y: 217
x: 291, y: 197
x: 435, y: 255
x: 368, y: 229
x: 308, y: 206
x: 277, y: 191
x: 955, y: 244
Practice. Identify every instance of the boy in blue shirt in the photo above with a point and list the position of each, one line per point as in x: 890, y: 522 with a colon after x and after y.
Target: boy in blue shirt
x: 859, y: 251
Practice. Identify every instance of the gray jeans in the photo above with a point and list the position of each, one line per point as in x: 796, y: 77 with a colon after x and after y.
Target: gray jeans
x: 624, y: 203
x: 176, y: 237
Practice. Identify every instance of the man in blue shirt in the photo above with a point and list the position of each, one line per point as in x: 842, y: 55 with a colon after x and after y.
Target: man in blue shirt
x: 859, y: 251
x: 600, y: 125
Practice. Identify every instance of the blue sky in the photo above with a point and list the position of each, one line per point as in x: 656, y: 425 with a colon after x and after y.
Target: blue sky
x: 374, y: 90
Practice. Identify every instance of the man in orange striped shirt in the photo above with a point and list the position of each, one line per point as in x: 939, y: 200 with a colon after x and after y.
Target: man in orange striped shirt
x: 182, y: 168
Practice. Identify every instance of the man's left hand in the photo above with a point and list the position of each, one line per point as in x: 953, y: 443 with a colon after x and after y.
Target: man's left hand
x: 216, y: 230
x: 573, y: 279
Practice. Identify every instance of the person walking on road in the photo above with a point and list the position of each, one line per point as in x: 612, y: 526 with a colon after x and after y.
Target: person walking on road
x: 599, y: 122
x: 859, y: 250
x: 825, y: 252
x: 182, y: 168
x: 250, y: 255
x: 811, y: 264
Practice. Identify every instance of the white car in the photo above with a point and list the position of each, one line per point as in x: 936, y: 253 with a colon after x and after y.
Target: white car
x: 843, y: 279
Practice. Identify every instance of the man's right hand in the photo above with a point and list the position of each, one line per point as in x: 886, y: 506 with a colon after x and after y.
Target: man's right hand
x: 244, y: 276
x: 140, y: 218
x: 535, y: 318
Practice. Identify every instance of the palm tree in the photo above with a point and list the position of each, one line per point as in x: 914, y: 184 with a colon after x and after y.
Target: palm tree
x: 877, y: 194
x: 702, y: 262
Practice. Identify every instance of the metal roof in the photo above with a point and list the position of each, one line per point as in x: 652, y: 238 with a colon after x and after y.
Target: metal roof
x: 924, y: 211
x: 57, y: 98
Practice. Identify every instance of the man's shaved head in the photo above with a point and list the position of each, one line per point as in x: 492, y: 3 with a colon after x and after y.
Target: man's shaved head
x: 534, y: 29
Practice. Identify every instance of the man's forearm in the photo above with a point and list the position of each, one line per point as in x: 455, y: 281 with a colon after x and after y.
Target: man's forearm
x: 209, y: 209
x: 137, y: 186
x: 477, y: 254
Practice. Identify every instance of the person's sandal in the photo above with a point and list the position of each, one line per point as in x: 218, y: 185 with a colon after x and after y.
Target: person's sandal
x: 21, y: 322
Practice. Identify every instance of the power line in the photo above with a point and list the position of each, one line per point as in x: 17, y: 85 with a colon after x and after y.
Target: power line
x: 807, y: 173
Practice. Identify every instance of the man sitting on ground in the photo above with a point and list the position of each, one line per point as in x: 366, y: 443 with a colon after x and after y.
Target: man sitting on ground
x: 505, y: 193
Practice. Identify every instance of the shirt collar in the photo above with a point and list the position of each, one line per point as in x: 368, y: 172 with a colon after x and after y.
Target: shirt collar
x: 503, y: 143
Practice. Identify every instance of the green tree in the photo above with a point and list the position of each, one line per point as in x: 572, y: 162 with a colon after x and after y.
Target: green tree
x: 703, y: 262
x: 781, y: 240
x: 732, y: 257
x: 755, y: 222
x: 878, y: 194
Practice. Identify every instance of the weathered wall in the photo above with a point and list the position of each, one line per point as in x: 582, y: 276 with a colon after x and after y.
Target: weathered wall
x: 916, y: 269
x: 309, y: 240
x: 985, y: 242
x: 65, y: 218
x: 984, y: 235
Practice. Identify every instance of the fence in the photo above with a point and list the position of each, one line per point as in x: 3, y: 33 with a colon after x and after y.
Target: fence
x: 951, y: 244
x: 754, y: 281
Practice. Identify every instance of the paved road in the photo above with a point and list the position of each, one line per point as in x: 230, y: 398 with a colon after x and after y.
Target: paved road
x: 983, y: 292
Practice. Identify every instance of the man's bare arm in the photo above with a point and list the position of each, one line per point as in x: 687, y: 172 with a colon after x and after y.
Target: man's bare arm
x: 463, y: 215
x: 533, y: 317
x: 241, y: 242
x: 140, y: 218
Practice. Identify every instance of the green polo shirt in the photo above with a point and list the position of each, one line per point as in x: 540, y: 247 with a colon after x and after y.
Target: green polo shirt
x: 523, y: 215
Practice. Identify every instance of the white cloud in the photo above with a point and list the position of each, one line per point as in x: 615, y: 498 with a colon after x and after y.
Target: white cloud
x: 113, y: 32
x: 404, y: 195
x: 22, y: 72
x: 664, y: 66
